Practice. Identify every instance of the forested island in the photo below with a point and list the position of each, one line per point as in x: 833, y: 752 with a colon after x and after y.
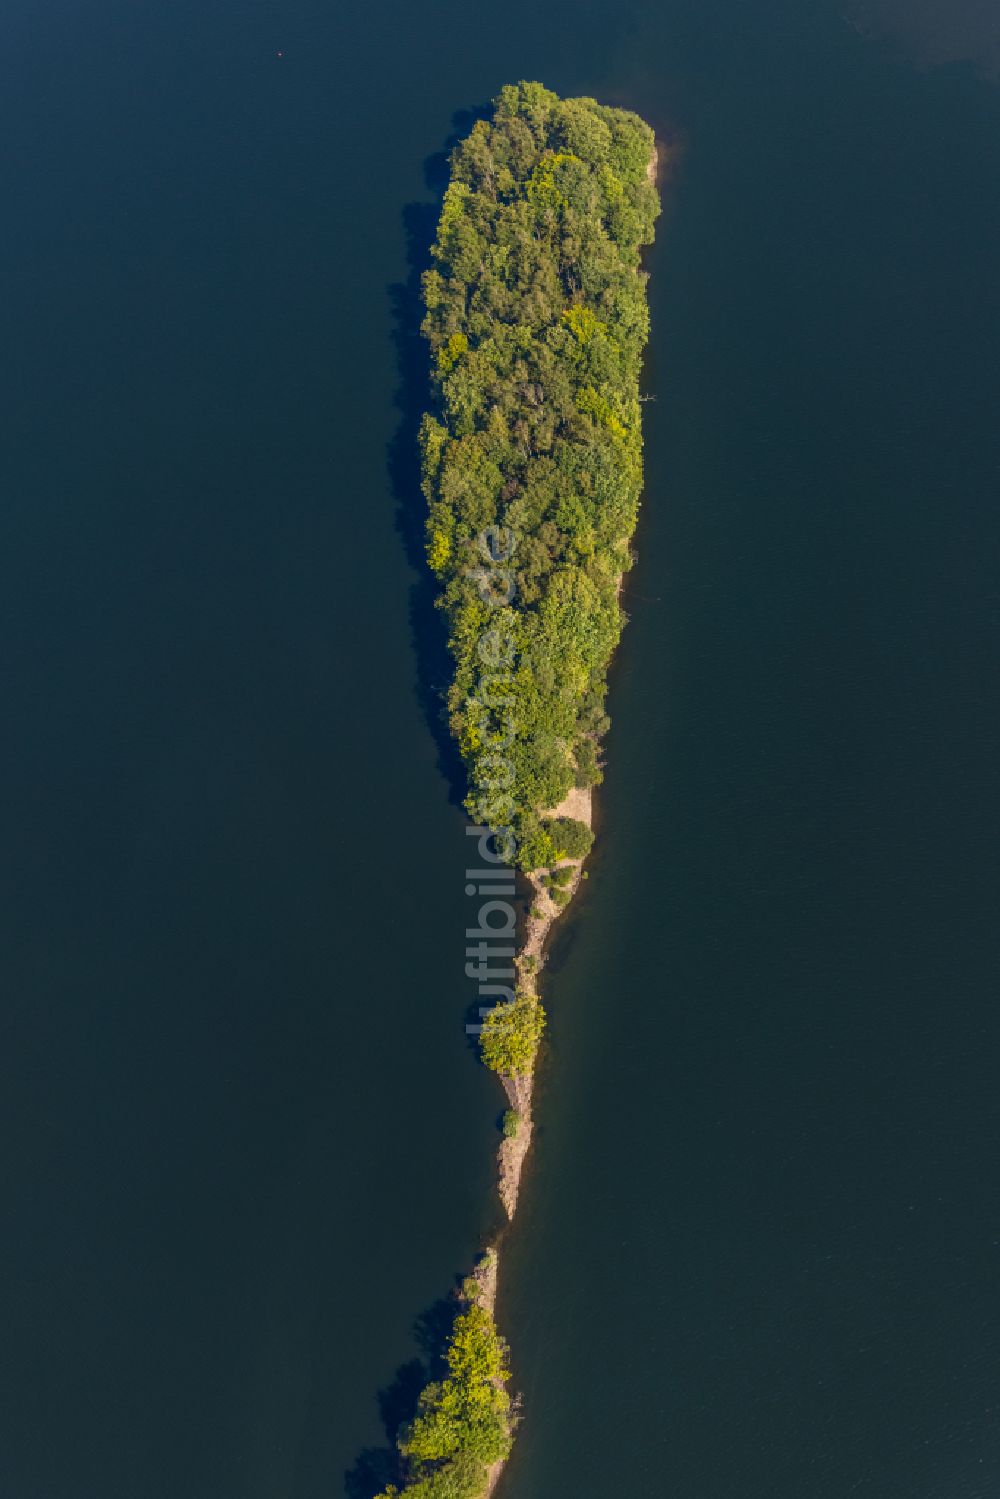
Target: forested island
x: 537, y: 319
x: 531, y: 456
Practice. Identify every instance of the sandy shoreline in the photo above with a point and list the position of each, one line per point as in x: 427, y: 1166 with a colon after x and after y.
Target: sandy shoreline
x: 529, y: 961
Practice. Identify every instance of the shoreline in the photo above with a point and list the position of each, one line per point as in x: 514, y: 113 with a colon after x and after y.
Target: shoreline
x: 512, y: 1153
x: 529, y: 962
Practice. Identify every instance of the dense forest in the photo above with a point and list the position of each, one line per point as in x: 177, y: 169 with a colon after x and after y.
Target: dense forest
x: 532, y: 453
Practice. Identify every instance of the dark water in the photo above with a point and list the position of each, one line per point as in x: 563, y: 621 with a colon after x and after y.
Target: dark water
x: 243, y: 1141
x: 932, y: 33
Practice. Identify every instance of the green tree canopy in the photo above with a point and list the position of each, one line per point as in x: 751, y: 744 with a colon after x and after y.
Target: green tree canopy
x: 511, y: 1035
x: 463, y: 1422
x: 536, y: 319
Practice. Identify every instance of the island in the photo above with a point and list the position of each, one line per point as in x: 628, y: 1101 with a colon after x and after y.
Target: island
x: 531, y: 460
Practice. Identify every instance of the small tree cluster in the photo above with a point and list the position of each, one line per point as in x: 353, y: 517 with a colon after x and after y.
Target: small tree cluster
x: 511, y: 1034
x: 463, y: 1422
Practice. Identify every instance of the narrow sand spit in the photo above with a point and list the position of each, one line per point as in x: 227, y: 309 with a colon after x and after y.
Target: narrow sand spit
x: 510, y: 1157
x: 485, y: 1276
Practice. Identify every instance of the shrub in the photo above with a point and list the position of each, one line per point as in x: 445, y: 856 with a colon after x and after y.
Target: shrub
x: 572, y: 838
x: 511, y: 1124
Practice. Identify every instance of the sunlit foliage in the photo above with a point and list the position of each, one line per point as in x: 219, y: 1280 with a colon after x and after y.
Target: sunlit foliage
x: 536, y: 318
x: 511, y: 1033
x: 463, y: 1421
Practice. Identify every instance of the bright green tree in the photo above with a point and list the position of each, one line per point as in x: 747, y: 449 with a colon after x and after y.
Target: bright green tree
x: 511, y: 1034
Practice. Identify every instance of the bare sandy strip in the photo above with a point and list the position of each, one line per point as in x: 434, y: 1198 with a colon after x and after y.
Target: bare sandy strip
x: 577, y: 803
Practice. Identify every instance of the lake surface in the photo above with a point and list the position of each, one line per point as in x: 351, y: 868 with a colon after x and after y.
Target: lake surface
x: 245, y: 1145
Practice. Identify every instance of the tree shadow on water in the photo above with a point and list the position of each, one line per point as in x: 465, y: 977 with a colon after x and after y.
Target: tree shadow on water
x: 412, y: 400
x: 376, y: 1467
